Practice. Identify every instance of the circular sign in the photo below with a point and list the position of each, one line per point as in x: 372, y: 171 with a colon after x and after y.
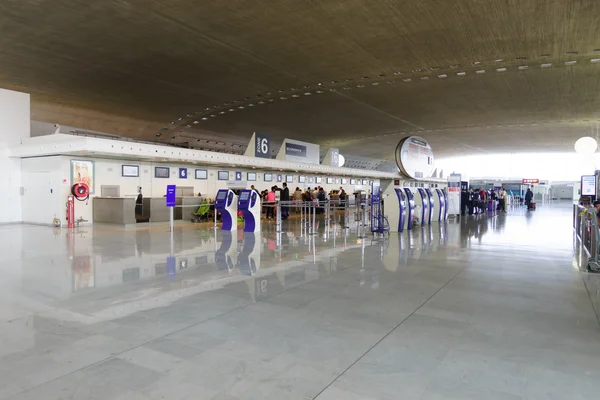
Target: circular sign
x: 414, y: 157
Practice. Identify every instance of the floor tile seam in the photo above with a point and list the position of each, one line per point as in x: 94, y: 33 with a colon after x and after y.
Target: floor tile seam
x: 116, y: 355
x: 390, y: 332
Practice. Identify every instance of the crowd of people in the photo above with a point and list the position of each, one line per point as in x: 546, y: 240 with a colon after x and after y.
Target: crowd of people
x: 270, y: 199
x: 476, y: 201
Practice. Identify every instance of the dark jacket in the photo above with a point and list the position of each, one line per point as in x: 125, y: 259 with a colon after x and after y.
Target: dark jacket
x: 529, y: 195
x: 285, y: 194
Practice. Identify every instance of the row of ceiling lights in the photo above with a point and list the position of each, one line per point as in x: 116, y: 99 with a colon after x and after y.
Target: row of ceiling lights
x: 191, y: 119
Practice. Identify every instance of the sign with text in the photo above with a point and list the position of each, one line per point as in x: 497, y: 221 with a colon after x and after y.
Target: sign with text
x: 262, y: 145
x: 588, y: 185
x: 454, y: 189
x: 182, y: 173
x: 529, y: 181
x: 238, y: 175
x: 295, y: 150
x: 171, y: 190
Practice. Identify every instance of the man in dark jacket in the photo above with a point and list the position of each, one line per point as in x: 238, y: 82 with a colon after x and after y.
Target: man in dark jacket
x: 285, y: 196
x: 528, y: 198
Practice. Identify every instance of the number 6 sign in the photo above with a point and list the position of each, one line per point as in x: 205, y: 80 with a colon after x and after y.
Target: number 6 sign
x: 262, y: 145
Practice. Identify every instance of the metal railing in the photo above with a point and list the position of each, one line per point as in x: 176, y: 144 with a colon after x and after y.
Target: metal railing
x: 585, y: 225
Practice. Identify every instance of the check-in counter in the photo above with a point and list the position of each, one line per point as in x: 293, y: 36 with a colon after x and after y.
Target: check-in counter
x: 155, y: 209
x: 114, y: 210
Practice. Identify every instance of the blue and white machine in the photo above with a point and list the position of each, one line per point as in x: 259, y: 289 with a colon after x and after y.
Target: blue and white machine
x: 410, y: 208
x: 395, y: 208
x: 442, y: 213
x: 422, y: 206
x: 249, y: 257
x: 226, y: 256
x: 226, y: 203
x: 249, y: 205
x: 431, y: 216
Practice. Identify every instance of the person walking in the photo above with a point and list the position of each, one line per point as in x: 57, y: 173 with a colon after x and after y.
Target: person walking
x: 502, y: 200
x: 528, y: 198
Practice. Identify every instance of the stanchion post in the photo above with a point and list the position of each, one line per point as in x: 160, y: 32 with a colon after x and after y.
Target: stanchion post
x: 278, y: 218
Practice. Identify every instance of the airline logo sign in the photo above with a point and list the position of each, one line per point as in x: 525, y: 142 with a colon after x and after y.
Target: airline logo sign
x: 530, y: 181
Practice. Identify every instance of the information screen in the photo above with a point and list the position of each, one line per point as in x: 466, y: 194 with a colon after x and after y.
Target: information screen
x: 244, y: 196
x: 161, y: 172
x: 588, y: 185
x: 223, y: 175
x: 221, y: 195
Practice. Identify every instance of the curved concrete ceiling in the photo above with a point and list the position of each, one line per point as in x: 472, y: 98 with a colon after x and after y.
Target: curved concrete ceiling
x: 471, y: 76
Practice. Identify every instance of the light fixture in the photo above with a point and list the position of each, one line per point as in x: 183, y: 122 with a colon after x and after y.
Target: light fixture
x: 341, y: 160
x: 586, y: 145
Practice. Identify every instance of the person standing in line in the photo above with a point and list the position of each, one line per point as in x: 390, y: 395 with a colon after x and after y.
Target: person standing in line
x: 502, y: 200
x: 297, y: 198
x: 271, y: 199
x: 342, y: 197
x: 285, y: 197
x: 472, y: 200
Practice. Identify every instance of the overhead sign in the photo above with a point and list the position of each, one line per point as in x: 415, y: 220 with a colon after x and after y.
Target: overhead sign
x: 414, y: 157
x: 262, y: 145
x: 292, y: 149
x: 238, y: 175
x: 332, y: 158
x: 183, y: 173
x: 529, y: 181
x: 588, y: 185
x: 295, y: 150
x: 259, y: 146
x: 170, y: 198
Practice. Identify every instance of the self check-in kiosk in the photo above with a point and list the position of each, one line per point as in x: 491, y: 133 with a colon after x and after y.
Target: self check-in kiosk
x: 422, y: 206
x: 410, y: 208
x: 442, y: 213
x: 226, y: 203
x: 395, y: 208
x: 249, y: 257
x: 430, y: 216
x: 226, y: 256
x: 249, y: 205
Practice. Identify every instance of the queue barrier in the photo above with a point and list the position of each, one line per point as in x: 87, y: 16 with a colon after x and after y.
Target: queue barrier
x: 585, y: 225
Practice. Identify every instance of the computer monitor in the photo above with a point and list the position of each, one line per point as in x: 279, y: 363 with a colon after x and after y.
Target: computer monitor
x: 244, y: 196
x: 222, y: 195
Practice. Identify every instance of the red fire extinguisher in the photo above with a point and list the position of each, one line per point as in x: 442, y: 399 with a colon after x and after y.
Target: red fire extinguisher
x: 70, y: 212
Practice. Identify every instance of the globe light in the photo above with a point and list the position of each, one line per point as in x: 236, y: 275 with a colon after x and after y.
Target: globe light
x: 586, y: 145
x: 341, y: 161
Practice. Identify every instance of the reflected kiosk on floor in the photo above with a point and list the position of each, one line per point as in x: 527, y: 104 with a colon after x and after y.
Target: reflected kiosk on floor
x: 226, y: 255
x: 249, y: 257
x: 431, y: 214
x: 410, y: 207
x: 226, y: 203
x: 249, y: 205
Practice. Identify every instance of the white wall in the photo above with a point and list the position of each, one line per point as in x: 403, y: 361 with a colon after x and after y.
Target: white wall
x: 14, y: 126
x: 43, y: 189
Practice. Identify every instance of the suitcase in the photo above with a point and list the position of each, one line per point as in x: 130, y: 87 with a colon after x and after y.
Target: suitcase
x: 531, y: 206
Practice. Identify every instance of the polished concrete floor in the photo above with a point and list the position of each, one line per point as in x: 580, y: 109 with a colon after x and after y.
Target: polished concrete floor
x: 486, y: 308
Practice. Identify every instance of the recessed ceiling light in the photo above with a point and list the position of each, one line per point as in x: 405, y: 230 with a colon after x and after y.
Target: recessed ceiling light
x: 522, y: 67
x: 424, y: 78
x: 307, y: 93
x: 442, y: 76
x: 570, y: 62
x: 251, y: 105
x: 572, y: 52
x: 503, y: 69
x: 196, y: 122
x: 295, y: 95
x: 375, y: 83
x: 321, y: 92
x: 547, y: 65
x: 346, y: 88
x: 461, y: 73
x: 188, y: 115
x: 595, y: 60
x: 283, y: 98
x: 407, y: 80
x: 212, y: 115
x: 158, y: 134
x: 397, y: 73
x: 204, y: 118
x: 231, y: 110
x: 179, y: 119
x: 241, y: 107
x: 172, y: 122
x: 188, y: 126
x: 454, y: 65
x: 261, y: 102
x: 222, y: 112
x: 474, y: 63
x: 360, y: 86
x: 499, y: 60
x: 481, y: 71
x: 271, y: 100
